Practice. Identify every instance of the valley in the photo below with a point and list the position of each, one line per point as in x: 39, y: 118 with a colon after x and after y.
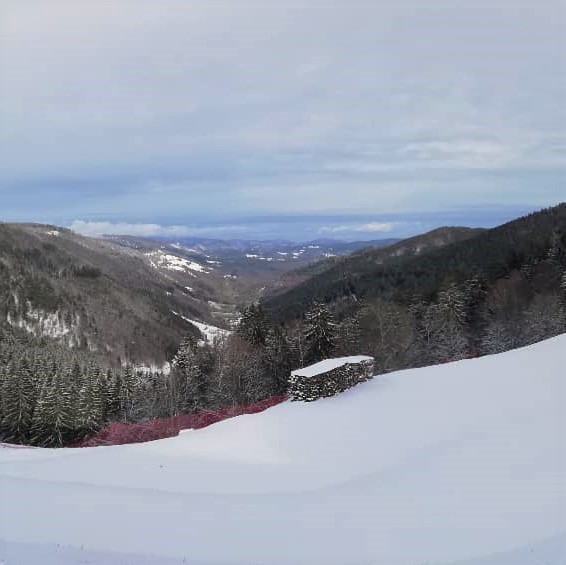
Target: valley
x: 123, y: 329
x: 132, y: 300
x: 282, y: 283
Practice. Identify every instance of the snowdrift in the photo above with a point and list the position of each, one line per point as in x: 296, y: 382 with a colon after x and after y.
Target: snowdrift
x: 459, y: 463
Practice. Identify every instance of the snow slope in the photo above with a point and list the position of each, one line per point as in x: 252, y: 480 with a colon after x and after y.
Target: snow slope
x: 162, y: 260
x: 461, y: 463
x: 209, y: 331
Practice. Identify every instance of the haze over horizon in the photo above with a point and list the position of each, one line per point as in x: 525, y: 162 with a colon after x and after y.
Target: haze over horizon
x: 308, y: 228
x: 302, y: 120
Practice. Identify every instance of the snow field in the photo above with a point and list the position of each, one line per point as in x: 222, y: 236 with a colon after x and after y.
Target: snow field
x: 460, y: 463
x: 209, y: 331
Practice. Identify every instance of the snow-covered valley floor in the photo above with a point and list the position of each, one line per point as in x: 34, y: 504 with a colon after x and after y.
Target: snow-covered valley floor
x: 460, y: 463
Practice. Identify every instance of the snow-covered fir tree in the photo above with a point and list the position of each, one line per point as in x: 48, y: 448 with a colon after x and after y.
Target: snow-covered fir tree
x: 189, y: 383
x: 320, y: 333
x: 18, y: 401
x: 253, y: 325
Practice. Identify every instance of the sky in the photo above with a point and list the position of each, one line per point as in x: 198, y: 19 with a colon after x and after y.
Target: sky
x: 356, y: 119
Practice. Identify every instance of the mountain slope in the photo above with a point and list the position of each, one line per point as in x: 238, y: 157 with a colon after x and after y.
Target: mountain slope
x: 463, y: 462
x: 128, y: 299
x: 91, y: 294
x: 412, y: 246
x: 490, y: 254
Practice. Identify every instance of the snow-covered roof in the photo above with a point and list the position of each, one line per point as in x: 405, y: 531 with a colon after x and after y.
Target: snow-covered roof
x: 329, y: 365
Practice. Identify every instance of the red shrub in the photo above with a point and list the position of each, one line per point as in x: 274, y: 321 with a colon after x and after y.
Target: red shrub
x: 120, y: 434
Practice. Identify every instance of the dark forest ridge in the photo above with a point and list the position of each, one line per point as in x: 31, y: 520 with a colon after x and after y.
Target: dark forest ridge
x: 416, y: 245
x: 403, y: 271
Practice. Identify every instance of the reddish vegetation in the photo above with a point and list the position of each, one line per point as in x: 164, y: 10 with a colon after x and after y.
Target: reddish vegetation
x: 120, y: 434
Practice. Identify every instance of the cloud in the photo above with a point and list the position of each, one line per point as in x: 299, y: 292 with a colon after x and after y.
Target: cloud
x: 308, y: 227
x: 97, y: 229
x: 304, y: 229
x: 145, y: 112
x: 371, y: 227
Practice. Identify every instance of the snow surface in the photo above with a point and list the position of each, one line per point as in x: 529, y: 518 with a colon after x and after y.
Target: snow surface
x: 329, y: 365
x: 47, y: 324
x: 462, y: 464
x: 161, y: 260
x: 209, y: 331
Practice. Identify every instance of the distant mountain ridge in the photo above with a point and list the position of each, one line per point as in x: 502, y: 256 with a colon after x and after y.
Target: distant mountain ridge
x: 278, y: 250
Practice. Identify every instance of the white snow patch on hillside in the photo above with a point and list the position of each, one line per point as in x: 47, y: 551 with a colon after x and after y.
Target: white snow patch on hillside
x: 463, y: 463
x: 209, y: 331
x: 53, y: 325
x: 258, y: 257
x: 162, y: 260
x: 164, y: 368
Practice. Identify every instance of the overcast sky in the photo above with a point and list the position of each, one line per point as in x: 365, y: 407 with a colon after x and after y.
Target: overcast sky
x: 351, y: 118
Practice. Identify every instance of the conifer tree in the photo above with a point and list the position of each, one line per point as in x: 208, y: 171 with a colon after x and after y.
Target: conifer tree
x: 128, y: 389
x: 90, y: 403
x: 253, y: 326
x: 54, y: 419
x: 18, y: 402
x: 320, y: 333
x: 348, y: 338
x: 114, y: 398
x: 277, y: 361
x: 189, y: 383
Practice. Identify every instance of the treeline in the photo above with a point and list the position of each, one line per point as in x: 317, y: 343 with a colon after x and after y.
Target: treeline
x: 253, y: 363
x: 53, y: 396
x: 50, y: 396
x: 464, y: 320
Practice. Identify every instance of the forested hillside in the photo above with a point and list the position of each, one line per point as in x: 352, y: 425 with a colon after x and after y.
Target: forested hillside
x: 376, y: 255
x: 92, y: 295
x: 490, y: 255
x: 52, y: 395
x: 500, y: 289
